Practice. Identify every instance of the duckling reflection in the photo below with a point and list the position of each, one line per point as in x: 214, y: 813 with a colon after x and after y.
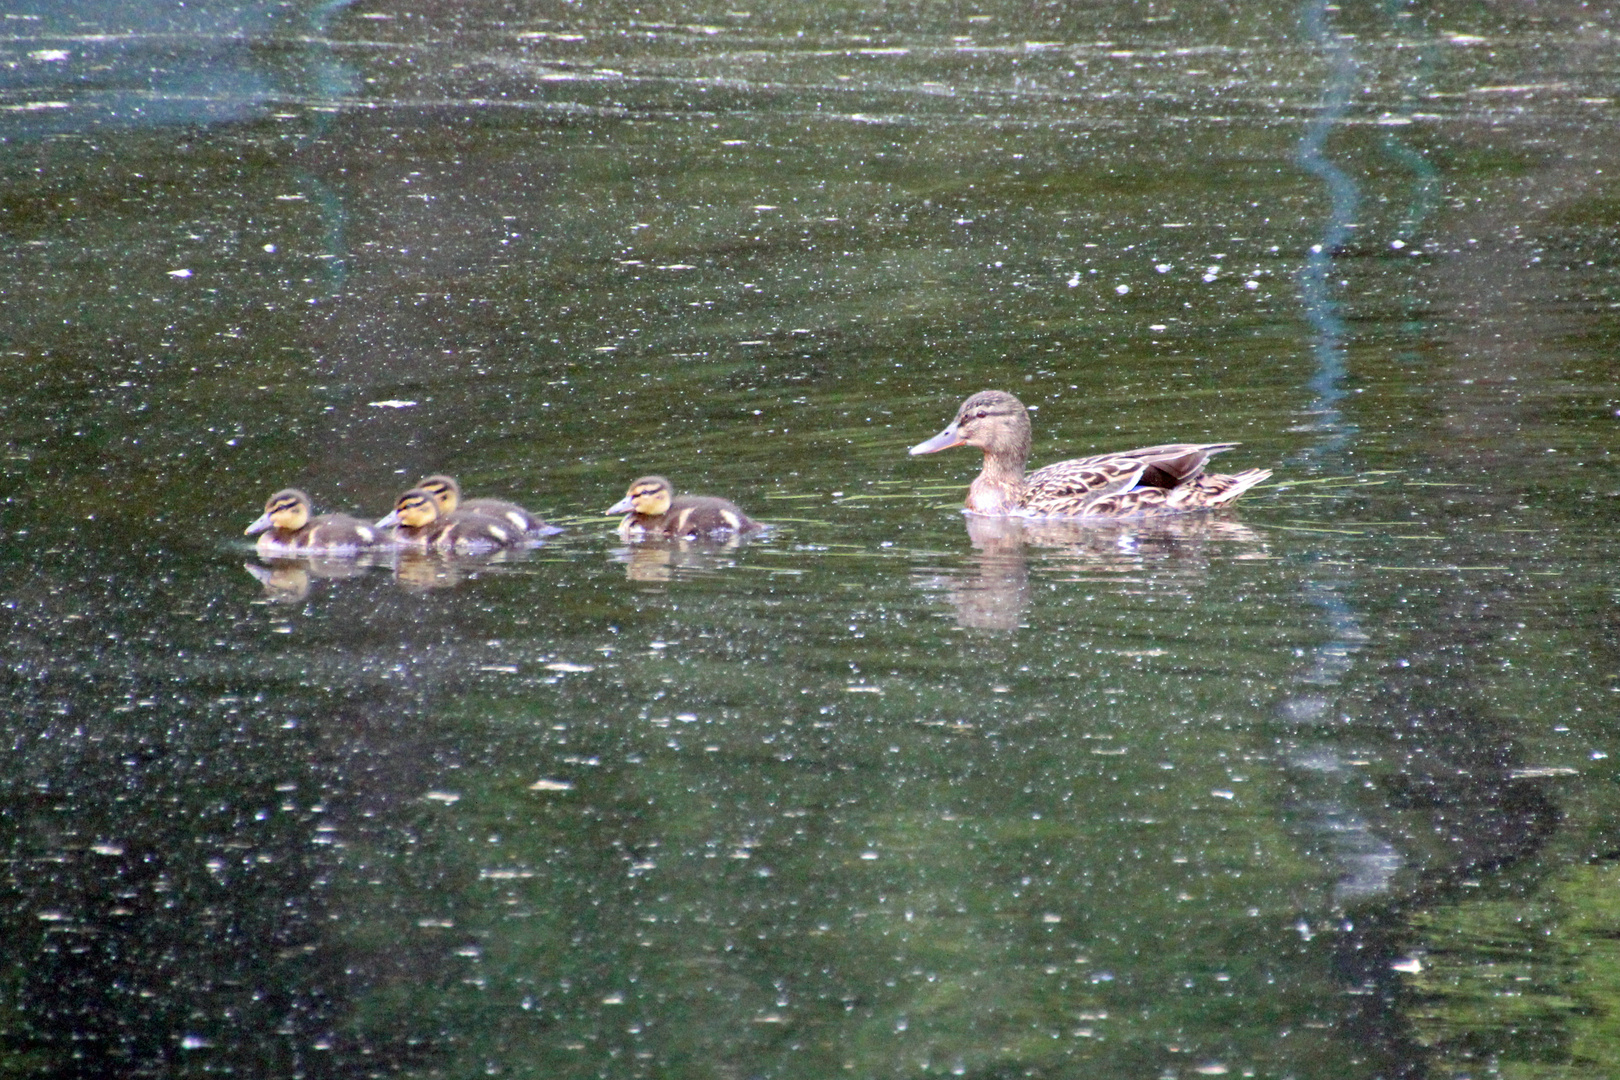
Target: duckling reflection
x: 665, y: 560
x: 418, y: 570
x: 289, y: 580
x: 1176, y: 550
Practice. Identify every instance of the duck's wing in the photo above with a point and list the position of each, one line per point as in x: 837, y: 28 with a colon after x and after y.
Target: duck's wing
x: 1066, y: 487
x: 1171, y: 464
x: 1213, y: 489
x: 1209, y: 491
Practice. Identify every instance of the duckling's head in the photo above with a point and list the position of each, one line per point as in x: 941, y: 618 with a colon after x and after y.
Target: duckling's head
x: 445, y: 491
x: 287, y: 509
x: 415, y: 509
x: 992, y: 420
x: 651, y: 495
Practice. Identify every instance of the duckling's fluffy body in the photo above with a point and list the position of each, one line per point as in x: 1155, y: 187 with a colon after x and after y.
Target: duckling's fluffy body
x: 652, y: 508
x: 1150, y: 480
x: 416, y: 522
x: 287, y: 528
x: 447, y: 494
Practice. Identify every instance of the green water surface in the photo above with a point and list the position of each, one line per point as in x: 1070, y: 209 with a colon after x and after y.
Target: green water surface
x: 1319, y: 787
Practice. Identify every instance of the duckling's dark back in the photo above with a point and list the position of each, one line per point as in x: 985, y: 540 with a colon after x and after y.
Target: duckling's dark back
x: 702, y: 515
x: 509, y: 512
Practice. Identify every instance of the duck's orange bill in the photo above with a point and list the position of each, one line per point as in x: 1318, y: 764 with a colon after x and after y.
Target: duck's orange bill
x: 943, y: 441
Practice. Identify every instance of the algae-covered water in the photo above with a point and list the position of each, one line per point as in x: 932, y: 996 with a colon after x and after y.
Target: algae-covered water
x: 1318, y: 787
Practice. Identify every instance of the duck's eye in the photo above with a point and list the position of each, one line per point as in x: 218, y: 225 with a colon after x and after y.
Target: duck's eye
x: 980, y: 415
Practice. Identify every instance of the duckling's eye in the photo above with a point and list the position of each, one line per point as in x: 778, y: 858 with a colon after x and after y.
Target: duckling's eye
x: 980, y: 415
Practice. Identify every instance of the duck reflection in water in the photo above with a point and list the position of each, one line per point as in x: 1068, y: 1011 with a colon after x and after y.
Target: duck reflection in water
x: 666, y: 560
x: 289, y: 580
x: 993, y: 590
x: 422, y: 571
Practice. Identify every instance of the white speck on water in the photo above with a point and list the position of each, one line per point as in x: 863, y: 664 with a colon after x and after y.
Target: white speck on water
x: 391, y: 403
x: 1251, y: 284
x: 192, y: 1042
x: 1163, y: 268
x: 1158, y: 326
x: 1410, y: 965
x: 48, y: 56
x: 446, y: 797
x: 181, y: 273
x: 552, y: 785
x: 1074, y: 279
x: 1122, y: 289
x: 1220, y: 794
x: 869, y: 856
x: 567, y: 667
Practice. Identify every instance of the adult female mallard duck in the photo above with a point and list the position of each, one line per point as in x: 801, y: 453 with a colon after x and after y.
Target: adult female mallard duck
x: 1151, y: 480
x: 416, y: 522
x: 652, y: 508
x: 447, y: 493
x: 286, y: 528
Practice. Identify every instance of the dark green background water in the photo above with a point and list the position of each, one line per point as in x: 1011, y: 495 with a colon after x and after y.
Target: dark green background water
x: 1320, y: 788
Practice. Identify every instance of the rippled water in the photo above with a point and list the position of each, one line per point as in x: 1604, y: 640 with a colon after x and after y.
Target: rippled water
x: 1319, y: 787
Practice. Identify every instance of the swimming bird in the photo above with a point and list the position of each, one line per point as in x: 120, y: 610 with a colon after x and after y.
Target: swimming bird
x: 416, y: 522
x: 447, y: 493
x: 1149, y: 480
x: 652, y: 508
x: 286, y: 528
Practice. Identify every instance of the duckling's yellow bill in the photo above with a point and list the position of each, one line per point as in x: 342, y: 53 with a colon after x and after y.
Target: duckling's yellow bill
x: 943, y: 441
x: 623, y: 506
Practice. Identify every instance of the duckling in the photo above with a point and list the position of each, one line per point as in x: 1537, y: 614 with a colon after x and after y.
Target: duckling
x: 288, y: 529
x: 1149, y: 480
x: 652, y: 508
x: 447, y: 493
x: 417, y: 523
